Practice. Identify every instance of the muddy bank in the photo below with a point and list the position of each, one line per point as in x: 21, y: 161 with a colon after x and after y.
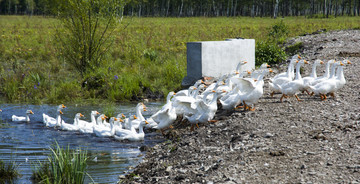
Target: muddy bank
x: 311, y: 141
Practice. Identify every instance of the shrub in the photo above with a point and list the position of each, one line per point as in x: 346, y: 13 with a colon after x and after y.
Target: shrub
x: 268, y: 52
x: 278, y: 32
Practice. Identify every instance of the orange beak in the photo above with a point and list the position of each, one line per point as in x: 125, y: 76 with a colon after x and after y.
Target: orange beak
x: 321, y: 62
x: 342, y: 64
x: 245, y: 62
x: 249, y: 72
x: 348, y: 62
x: 81, y: 115
x: 122, y: 115
x: 270, y: 70
x: 31, y: 112
x: 63, y: 106
x: 306, y: 62
x: 213, y: 91
x: 97, y: 113
x: 115, y: 119
x: 146, y: 122
x: 135, y: 117
x: 61, y: 112
x: 268, y: 66
x: 299, y: 57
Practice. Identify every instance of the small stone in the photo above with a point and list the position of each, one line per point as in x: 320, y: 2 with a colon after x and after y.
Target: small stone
x: 268, y: 135
x: 303, y: 166
x: 168, y: 169
x: 210, y: 182
x: 312, y: 173
x: 266, y: 164
x: 122, y: 177
x: 242, y: 163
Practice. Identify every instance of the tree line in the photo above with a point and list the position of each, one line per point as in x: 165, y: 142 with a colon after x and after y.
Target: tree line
x: 207, y: 8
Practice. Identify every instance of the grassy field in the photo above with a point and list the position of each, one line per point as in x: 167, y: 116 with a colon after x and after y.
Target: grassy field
x: 148, y: 55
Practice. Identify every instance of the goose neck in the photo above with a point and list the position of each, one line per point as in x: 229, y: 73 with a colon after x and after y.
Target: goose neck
x: 313, y: 71
x: 298, y: 76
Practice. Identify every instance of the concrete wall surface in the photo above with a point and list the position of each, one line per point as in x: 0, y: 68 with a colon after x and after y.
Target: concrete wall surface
x: 216, y: 58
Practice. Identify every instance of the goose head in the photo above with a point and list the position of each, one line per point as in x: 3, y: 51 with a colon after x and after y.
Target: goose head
x: 347, y: 62
x: 29, y: 112
x: 295, y: 57
x: 264, y: 66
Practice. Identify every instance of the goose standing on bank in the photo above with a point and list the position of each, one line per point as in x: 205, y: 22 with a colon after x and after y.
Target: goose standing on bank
x: 291, y: 88
x: 326, y: 75
x: 328, y: 85
x: 282, y: 78
x: 205, y: 110
x: 165, y: 116
x: 22, y: 118
x: 308, y: 80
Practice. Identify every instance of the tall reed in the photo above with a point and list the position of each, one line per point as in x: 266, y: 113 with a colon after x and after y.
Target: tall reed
x: 63, y: 166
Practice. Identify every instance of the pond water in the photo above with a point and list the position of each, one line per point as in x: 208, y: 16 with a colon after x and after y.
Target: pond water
x: 28, y: 143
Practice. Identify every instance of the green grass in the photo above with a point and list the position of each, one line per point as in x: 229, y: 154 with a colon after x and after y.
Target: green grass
x: 8, y: 172
x: 63, y: 166
x: 148, y: 54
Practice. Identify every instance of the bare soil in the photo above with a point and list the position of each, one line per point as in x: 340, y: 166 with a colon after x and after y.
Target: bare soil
x: 311, y: 141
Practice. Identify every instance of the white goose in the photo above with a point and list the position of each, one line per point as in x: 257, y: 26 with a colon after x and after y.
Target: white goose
x: 136, y: 123
x: 165, y: 116
x: 205, y: 111
x: 293, y: 87
x: 74, y: 126
x: 341, y: 81
x: 325, y: 76
x: 87, y: 127
x: 190, y: 90
x: 52, y: 122
x: 103, y: 131
x: 256, y: 74
x: 290, y: 70
x: 131, y: 135
x: 327, y: 86
x: 183, y: 104
x: 246, y: 89
x: 22, y: 118
x: 251, y: 90
x: 308, y: 80
x: 282, y: 78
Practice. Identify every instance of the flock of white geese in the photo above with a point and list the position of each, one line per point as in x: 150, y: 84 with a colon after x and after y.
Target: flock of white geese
x: 199, y: 103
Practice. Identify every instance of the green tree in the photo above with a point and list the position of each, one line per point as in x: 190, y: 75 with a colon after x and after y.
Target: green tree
x: 86, y: 35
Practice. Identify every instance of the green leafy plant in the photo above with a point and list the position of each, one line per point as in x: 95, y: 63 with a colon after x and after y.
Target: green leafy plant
x: 278, y: 32
x: 268, y: 52
x: 63, y: 166
x: 8, y: 172
x: 88, y: 26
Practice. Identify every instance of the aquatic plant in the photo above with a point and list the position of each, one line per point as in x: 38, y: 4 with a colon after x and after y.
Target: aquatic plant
x: 63, y: 166
x: 8, y: 172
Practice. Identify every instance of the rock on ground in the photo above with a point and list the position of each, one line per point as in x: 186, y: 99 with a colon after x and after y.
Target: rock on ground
x: 311, y: 141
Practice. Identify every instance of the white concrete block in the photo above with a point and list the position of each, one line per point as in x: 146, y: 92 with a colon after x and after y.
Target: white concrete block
x: 216, y: 58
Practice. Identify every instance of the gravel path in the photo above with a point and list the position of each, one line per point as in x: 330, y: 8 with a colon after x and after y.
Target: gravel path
x: 312, y: 141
